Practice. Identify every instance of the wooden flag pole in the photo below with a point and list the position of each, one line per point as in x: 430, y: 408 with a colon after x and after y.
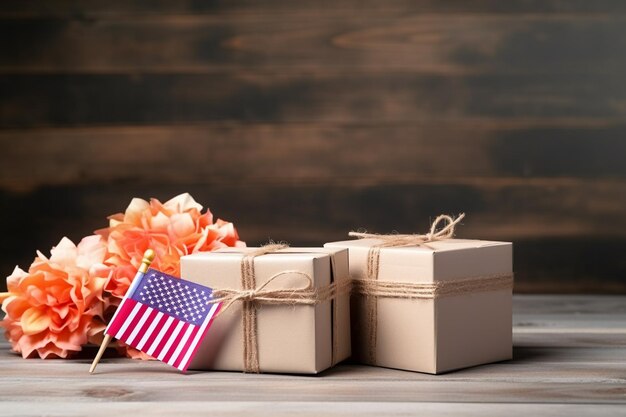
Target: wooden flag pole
x: 148, y: 257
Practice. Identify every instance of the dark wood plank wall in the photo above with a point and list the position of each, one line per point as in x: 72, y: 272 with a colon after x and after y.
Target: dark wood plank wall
x: 301, y: 120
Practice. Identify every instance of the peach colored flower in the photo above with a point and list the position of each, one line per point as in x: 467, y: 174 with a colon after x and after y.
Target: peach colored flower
x: 172, y: 229
x: 57, y: 306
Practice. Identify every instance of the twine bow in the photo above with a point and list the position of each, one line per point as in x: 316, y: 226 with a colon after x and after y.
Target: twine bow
x: 250, y: 295
x: 398, y: 240
x: 304, y: 294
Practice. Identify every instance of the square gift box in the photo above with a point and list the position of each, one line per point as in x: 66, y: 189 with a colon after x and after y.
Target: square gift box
x: 435, y: 307
x: 288, y: 334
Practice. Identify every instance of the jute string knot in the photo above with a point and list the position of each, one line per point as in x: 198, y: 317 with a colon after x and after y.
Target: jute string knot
x: 399, y: 240
x: 251, y: 296
x: 303, y: 294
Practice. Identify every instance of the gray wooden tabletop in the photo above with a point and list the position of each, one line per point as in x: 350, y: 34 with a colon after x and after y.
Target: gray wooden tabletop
x: 569, y: 359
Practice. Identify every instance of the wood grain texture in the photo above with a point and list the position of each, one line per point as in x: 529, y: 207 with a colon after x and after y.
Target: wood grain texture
x: 33, y: 100
x: 470, y: 152
x: 412, y: 41
x: 303, y: 120
x: 549, y: 375
x: 313, y: 409
x: 88, y: 8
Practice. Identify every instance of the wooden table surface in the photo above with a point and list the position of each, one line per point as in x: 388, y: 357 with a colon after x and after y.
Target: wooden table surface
x: 569, y: 359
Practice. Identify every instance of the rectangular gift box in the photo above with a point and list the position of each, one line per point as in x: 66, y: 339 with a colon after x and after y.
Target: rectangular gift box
x: 291, y: 338
x: 467, y: 323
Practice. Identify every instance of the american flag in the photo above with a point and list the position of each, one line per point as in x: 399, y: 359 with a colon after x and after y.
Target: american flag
x: 165, y: 317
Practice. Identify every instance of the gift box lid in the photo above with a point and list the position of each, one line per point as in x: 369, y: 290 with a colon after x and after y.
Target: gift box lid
x: 442, y: 260
x: 312, y: 252
x: 430, y: 247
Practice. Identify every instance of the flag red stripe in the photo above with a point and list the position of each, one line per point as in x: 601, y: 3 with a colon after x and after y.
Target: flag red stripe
x: 174, y: 345
x: 146, y: 326
x: 120, y: 318
x: 141, y: 327
x: 166, y: 337
x: 155, y: 333
x: 187, y: 346
x: 134, y: 322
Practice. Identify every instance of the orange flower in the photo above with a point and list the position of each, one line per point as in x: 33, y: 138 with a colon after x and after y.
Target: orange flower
x: 57, y: 306
x: 172, y: 229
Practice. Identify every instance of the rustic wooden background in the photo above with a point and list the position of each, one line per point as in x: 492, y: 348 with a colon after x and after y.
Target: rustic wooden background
x: 301, y: 120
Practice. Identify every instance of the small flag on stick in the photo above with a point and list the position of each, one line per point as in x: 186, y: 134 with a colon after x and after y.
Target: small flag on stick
x: 165, y: 317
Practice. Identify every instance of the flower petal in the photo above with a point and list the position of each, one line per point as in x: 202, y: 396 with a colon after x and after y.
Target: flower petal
x: 181, y: 225
x: 159, y: 222
x: 182, y: 203
x: 15, y: 278
x: 34, y: 321
x: 135, y: 210
x: 64, y: 253
x: 91, y: 250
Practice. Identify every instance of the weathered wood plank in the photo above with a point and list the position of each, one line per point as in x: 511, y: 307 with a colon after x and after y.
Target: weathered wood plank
x: 156, y: 386
x: 548, y: 322
x: 304, y: 409
x: 570, y: 308
x: 322, y: 212
x: 474, y: 153
x: 60, y: 100
x: 554, y: 331
x: 88, y: 8
x: 558, y: 338
x: 599, y: 323
x: 556, y: 364
x: 563, y: 242
x: 308, y: 41
x: 550, y: 362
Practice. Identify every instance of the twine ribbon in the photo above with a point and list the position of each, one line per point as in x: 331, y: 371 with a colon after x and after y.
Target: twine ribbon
x: 398, y: 240
x: 371, y: 288
x: 250, y: 296
x: 428, y: 290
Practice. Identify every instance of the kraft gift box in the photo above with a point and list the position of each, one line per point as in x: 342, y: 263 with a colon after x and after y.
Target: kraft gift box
x: 453, y: 308
x: 288, y: 337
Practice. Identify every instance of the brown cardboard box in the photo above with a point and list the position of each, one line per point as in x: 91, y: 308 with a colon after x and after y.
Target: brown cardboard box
x: 440, y: 334
x: 291, y: 338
